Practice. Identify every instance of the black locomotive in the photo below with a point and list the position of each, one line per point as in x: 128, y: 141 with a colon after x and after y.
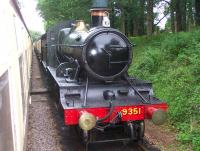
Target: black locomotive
x: 88, y: 69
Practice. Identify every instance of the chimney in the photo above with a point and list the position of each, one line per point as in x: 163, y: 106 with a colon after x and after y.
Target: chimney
x: 100, y: 13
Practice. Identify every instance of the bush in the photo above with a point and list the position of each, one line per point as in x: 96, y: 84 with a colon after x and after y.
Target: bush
x: 172, y: 63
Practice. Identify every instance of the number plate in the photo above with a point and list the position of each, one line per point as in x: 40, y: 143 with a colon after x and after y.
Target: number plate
x: 132, y: 113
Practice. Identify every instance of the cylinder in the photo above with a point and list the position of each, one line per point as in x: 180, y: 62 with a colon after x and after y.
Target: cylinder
x: 97, y: 16
x: 98, y: 12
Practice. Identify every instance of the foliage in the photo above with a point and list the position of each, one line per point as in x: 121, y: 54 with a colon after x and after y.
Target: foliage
x: 54, y: 11
x: 133, y: 18
x: 172, y: 63
x: 35, y: 35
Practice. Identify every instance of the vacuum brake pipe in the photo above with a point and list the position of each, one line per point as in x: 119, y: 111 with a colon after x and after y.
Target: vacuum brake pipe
x: 108, y: 115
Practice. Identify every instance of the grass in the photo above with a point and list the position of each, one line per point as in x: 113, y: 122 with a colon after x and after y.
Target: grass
x: 172, y: 63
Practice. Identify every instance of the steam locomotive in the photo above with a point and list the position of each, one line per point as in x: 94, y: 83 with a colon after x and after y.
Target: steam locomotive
x: 88, y: 69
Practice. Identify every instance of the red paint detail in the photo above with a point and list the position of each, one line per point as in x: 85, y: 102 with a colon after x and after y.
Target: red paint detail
x: 71, y: 116
x: 150, y: 109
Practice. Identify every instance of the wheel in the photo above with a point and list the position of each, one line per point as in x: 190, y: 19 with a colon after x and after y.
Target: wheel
x: 135, y: 130
x: 140, y: 130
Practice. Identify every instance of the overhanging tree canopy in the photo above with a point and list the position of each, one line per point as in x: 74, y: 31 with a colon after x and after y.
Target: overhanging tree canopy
x: 137, y: 18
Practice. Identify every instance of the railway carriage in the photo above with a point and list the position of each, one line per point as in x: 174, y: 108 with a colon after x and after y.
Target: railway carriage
x: 88, y: 71
x: 15, y: 68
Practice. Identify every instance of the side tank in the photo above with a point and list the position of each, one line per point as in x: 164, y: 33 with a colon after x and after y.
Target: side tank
x: 105, y: 53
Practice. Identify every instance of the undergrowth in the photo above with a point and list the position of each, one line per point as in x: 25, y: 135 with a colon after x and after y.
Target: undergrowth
x: 172, y: 63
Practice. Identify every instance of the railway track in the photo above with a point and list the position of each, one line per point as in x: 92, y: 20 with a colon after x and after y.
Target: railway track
x: 47, y: 131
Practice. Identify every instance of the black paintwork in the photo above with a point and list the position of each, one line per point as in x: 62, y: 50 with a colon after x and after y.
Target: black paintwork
x: 52, y: 42
x: 96, y: 20
x: 107, y: 54
x: 72, y: 94
x: 103, y: 53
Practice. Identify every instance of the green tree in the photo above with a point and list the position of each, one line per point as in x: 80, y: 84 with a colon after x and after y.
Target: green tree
x: 35, y: 35
x: 197, y: 12
x: 149, y: 17
x: 54, y: 11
